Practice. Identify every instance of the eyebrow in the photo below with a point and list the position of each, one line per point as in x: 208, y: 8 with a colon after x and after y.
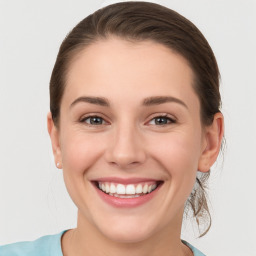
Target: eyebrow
x: 156, y: 100
x: 161, y: 100
x: 92, y: 100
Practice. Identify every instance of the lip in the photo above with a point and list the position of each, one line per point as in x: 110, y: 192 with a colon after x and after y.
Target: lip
x: 125, y: 181
x: 126, y: 202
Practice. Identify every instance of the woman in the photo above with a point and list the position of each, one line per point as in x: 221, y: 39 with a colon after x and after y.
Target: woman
x: 135, y: 124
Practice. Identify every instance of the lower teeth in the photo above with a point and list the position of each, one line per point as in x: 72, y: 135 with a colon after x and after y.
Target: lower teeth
x: 123, y: 196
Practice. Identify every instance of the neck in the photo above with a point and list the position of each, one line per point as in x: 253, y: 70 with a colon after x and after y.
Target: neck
x: 86, y: 239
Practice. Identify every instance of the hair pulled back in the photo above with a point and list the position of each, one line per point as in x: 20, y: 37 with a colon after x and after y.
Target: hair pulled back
x: 139, y: 21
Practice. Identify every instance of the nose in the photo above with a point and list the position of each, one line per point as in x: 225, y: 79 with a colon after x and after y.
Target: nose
x: 126, y: 148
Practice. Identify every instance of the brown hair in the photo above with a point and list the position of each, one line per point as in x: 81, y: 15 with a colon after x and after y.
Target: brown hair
x: 138, y: 21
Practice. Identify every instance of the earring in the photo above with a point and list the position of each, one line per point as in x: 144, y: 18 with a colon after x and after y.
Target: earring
x: 58, y: 165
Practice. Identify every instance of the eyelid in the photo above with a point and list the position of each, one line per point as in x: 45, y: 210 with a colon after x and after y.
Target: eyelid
x: 84, y: 117
x: 172, y: 119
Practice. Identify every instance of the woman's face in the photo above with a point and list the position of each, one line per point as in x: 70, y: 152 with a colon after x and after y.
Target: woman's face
x: 129, y: 123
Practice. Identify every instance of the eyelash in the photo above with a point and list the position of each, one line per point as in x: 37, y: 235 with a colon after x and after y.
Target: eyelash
x: 168, y: 119
x: 83, y: 120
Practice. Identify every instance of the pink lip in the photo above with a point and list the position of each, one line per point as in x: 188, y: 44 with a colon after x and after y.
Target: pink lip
x: 126, y: 202
x: 125, y: 181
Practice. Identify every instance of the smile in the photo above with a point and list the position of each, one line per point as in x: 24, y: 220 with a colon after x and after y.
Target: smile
x: 126, y: 193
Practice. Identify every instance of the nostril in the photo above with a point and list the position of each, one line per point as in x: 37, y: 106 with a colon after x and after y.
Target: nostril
x: 126, y: 151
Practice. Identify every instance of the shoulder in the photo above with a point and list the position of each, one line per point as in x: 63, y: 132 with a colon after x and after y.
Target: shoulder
x: 194, y: 250
x: 44, y: 246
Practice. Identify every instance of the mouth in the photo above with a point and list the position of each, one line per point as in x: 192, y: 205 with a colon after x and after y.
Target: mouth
x: 126, y: 193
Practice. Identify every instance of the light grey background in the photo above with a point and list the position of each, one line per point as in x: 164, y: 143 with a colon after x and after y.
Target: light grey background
x: 33, y: 198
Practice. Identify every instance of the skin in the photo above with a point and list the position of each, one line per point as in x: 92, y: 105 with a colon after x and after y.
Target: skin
x: 130, y: 143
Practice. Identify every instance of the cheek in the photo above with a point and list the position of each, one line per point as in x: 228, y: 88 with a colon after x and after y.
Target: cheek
x: 178, y: 150
x: 179, y: 154
x: 80, y: 151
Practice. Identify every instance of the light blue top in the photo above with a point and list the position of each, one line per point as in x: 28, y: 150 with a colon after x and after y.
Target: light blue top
x: 49, y: 246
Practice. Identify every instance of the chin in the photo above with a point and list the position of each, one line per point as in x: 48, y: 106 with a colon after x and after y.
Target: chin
x: 127, y: 230
x: 128, y: 235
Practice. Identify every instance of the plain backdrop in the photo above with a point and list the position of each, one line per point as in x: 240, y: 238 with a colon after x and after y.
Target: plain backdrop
x: 33, y: 198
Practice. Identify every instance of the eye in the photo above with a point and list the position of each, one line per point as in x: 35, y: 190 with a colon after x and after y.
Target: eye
x: 161, y: 120
x: 93, y: 120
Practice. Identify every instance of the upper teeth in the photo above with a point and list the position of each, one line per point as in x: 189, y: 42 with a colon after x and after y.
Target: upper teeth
x: 130, y: 189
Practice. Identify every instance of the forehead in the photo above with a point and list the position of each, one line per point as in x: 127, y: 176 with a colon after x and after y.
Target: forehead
x: 115, y: 67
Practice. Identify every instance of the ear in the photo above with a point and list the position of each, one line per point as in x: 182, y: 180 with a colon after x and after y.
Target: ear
x: 213, y: 135
x: 54, y: 136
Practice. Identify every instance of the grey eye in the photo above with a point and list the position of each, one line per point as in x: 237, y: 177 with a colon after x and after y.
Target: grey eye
x: 94, y: 120
x: 161, y: 120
